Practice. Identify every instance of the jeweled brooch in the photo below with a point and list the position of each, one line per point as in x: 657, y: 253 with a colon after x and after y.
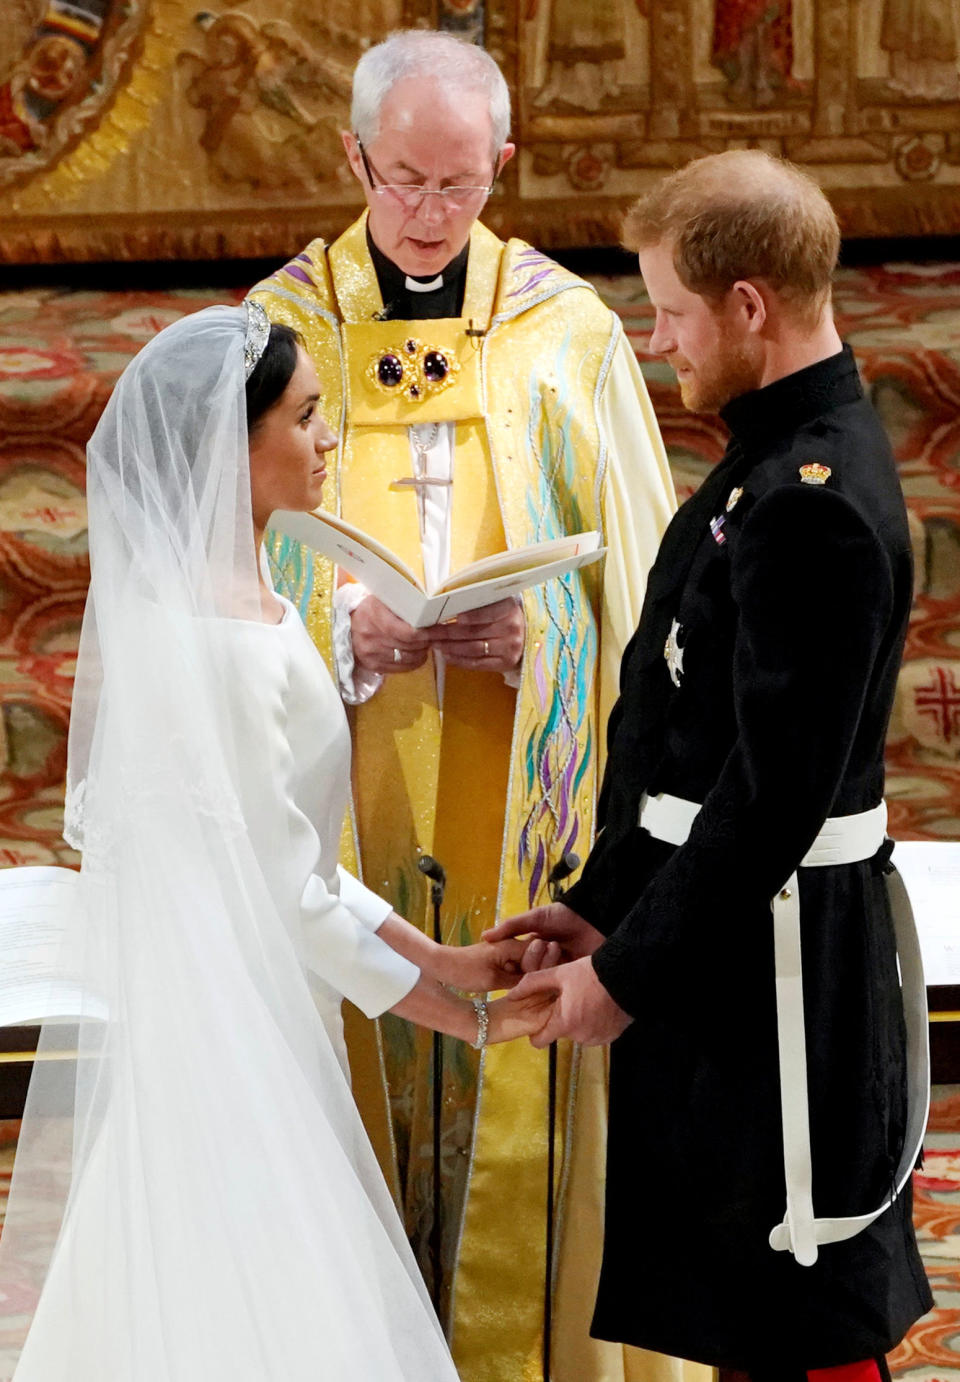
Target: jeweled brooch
x: 414, y: 369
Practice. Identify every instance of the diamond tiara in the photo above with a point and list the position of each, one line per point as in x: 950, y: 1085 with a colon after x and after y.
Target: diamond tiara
x: 256, y: 337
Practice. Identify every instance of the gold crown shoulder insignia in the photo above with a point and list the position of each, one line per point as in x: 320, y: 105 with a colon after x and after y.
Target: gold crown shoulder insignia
x: 815, y: 473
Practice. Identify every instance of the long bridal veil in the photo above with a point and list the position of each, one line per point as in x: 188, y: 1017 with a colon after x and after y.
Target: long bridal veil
x: 194, y: 1198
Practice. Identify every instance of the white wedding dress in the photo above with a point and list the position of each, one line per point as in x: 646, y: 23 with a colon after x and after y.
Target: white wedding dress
x: 229, y: 1222
x: 291, y: 712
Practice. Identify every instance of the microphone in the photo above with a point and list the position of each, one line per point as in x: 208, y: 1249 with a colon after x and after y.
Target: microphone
x: 434, y: 870
x: 562, y: 869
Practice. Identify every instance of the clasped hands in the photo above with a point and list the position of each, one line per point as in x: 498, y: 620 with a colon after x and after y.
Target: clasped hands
x: 491, y: 637
x: 543, y: 958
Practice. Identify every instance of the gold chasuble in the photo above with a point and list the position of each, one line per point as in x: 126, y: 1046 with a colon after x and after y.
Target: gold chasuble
x: 553, y: 434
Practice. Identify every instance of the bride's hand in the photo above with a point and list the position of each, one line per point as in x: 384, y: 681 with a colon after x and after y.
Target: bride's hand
x: 512, y: 1018
x: 482, y: 968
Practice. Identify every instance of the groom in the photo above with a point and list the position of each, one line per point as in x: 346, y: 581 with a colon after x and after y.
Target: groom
x: 754, y: 701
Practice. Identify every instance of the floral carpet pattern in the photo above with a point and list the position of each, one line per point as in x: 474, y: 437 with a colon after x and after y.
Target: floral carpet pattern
x: 60, y: 355
x: 931, y: 1351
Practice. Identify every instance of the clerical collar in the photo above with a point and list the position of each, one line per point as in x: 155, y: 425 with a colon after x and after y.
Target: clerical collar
x: 407, y: 298
x: 789, y: 403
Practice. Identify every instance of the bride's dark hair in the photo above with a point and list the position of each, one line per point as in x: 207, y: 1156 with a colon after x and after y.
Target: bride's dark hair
x: 272, y: 374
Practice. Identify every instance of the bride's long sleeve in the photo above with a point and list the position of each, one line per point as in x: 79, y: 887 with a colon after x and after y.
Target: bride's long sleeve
x: 292, y: 768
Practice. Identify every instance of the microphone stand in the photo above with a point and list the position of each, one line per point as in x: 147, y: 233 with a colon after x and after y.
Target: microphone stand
x: 561, y: 870
x: 438, y: 879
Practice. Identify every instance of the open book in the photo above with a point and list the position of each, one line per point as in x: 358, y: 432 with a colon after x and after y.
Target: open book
x: 481, y: 583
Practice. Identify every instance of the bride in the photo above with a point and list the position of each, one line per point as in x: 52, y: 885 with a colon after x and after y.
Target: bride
x: 195, y: 1200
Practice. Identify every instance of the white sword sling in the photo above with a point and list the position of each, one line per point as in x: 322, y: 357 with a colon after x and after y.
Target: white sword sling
x: 842, y: 840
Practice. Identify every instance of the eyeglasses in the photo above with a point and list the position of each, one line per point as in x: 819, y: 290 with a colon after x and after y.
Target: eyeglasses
x: 411, y: 195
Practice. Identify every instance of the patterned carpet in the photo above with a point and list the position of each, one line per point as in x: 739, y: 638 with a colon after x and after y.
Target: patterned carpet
x: 60, y: 355
x: 931, y: 1351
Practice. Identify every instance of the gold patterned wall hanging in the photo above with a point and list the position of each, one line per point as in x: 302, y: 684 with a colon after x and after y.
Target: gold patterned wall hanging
x: 60, y: 64
x: 865, y: 94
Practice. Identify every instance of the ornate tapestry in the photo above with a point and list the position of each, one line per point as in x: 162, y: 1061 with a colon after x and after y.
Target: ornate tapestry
x: 146, y: 129
x: 156, y: 129
x: 863, y: 93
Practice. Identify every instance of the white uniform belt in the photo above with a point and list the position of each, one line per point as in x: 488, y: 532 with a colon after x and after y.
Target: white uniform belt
x: 842, y: 840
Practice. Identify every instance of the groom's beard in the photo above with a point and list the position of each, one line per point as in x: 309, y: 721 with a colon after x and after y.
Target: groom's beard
x: 708, y: 387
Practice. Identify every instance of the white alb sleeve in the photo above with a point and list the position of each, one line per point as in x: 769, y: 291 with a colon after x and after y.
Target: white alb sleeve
x: 638, y: 502
x: 356, y: 684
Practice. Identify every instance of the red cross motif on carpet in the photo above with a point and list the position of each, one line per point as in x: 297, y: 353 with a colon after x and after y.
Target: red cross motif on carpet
x: 942, y: 701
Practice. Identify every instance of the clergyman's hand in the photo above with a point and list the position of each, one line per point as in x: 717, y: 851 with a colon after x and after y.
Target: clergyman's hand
x: 583, y: 1010
x: 491, y: 637
x: 382, y: 642
x: 552, y: 928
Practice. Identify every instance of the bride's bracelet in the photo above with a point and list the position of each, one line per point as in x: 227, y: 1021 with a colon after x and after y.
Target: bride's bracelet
x: 483, y: 1023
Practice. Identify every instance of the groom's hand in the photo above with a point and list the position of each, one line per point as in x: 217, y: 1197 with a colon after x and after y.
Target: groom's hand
x: 525, y: 1018
x: 583, y: 1010
x: 556, y: 933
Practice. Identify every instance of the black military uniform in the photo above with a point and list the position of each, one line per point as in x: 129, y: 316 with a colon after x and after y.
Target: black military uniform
x: 759, y: 683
